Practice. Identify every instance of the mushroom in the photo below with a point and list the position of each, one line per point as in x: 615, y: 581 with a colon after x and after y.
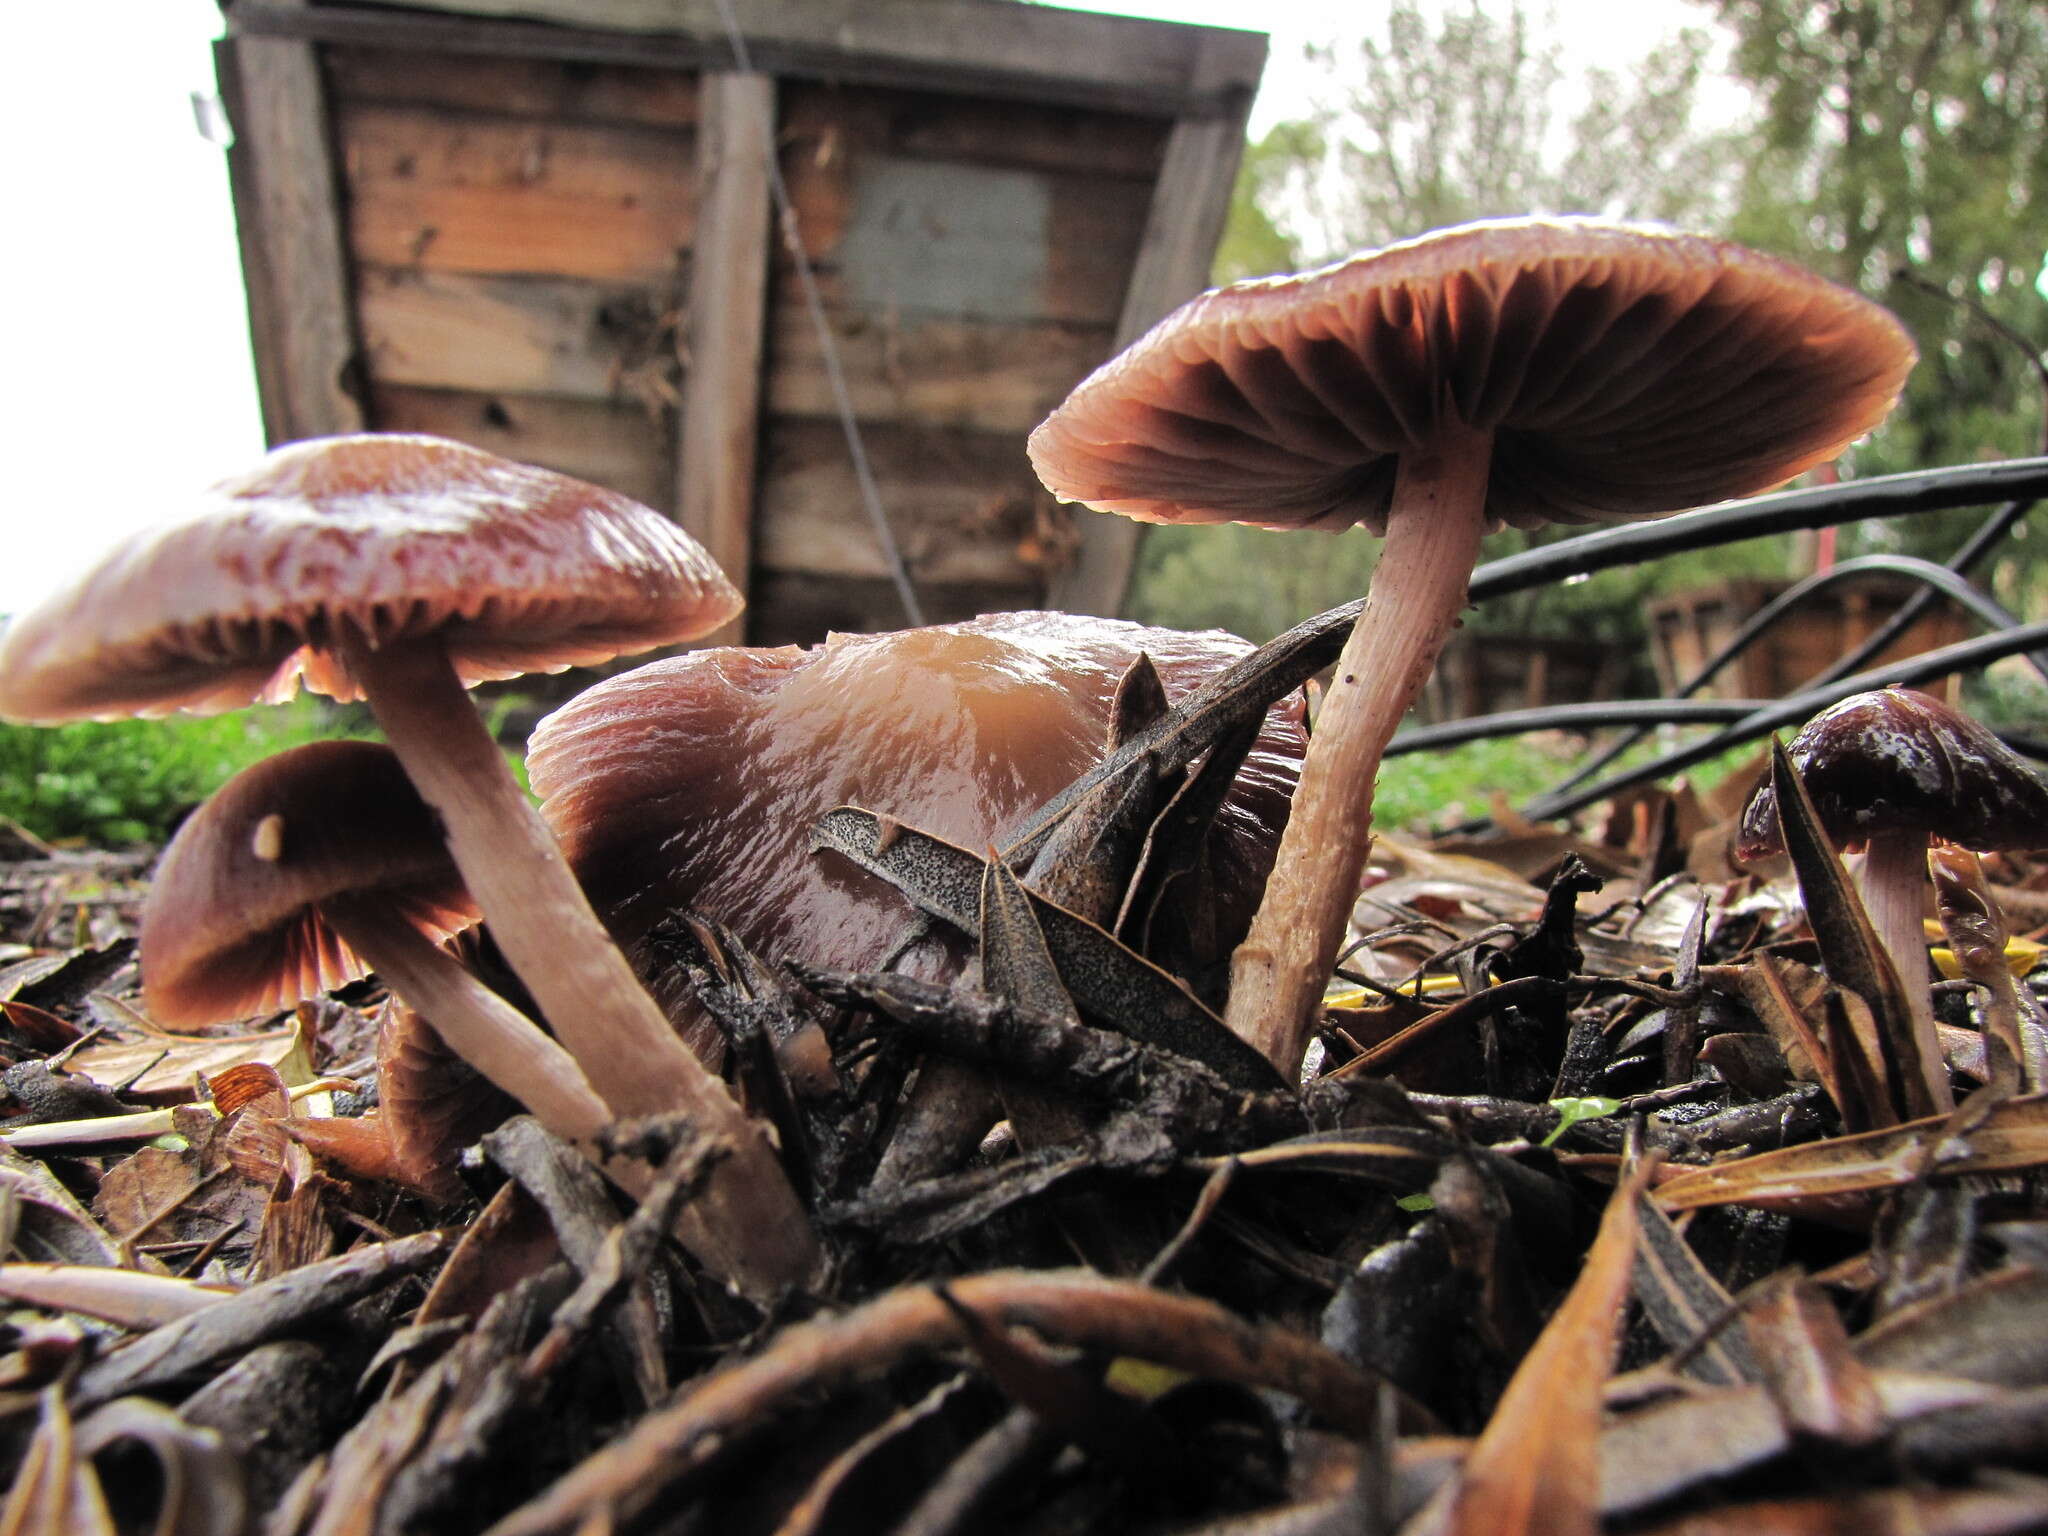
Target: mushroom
x: 1521, y: 371
x: 694, y: 781
x: 400, y: 570
x: 307, y: 871
x: 430, y: 1104
x: 1890, y: 772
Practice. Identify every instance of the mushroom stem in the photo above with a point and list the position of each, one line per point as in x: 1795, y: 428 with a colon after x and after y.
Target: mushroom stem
x: 1894, y: 882
x: 1278, y: 973
x: 477, y: 1024
x: 757, y: 1232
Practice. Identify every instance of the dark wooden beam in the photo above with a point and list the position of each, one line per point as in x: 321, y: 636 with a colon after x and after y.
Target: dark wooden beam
x: 293, y: 254
x: 719, y: 443
x: 1189, y: 204
x: 1113, y: 63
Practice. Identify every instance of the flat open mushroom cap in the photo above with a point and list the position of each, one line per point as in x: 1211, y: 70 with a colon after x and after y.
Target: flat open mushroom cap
x: 695, y: 780
x: 518, y: 569
x: 230, y: 926
x: 1896, y: 760
x: 1624, y: 371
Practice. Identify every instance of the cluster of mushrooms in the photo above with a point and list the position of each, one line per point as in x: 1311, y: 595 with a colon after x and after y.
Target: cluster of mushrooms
x: 1515, y: 372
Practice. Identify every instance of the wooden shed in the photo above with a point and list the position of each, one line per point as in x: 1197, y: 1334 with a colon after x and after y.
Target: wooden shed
x: 548, y: 227
x: 1688, y: 627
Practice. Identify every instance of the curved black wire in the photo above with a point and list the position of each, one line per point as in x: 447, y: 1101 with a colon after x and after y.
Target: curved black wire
x: 1585, y: 717
x: 1960, y: 657
x: 1920, y: 490
x: 1962, y: 562
x: 1933, y: 579
x: 1640, y: 713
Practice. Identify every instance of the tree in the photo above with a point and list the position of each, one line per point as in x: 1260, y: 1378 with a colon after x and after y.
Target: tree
x: 1905, y: 150
x: 1476, y: 112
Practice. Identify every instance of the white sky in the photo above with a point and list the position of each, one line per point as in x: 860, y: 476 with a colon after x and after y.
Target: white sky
x: 128, y: 339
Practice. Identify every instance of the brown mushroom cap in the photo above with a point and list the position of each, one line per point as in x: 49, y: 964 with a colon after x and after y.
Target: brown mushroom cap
x: 695, y: 780
x: 1622, y: 370
x: 387, y: 536
x: 1897, y: 760
x: 230, y: 926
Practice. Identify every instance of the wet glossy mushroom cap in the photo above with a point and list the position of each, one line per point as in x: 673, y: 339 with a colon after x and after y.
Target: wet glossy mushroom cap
x: 393, y: 537
x: 695, y: 780
x: 230, y: 926
x: 1895, y: 760
x: 1623, y: 371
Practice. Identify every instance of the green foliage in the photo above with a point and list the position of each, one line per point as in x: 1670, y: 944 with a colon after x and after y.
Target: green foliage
x: 1250, y: 581
x: 1421, y: 791
x: 1904, y: 149
x: 127, y: 781
x: 1905, y: 153
x: 1254, y: 243
x: 2008, y: 696
x: 1571, y: 1111
x: 1479, y: 111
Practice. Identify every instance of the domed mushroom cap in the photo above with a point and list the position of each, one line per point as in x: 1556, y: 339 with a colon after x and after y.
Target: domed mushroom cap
x: 695, y: 780
x: 517, y: 569
x: 1895, y: 760
x: 1623, y: 370
x: 232, y: 926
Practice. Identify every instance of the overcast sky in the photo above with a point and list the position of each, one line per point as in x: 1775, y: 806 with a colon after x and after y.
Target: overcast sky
x: 127, y: 335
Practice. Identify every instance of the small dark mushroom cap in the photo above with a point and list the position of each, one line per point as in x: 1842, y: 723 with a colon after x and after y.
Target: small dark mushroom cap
x: 695, y: 780
x: 231, y: 925
x: 1896, y: 760
x: 1622, y: 370
x: 390, y: 536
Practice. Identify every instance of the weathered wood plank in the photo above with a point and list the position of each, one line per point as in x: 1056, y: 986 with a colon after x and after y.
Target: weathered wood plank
x: 727, y: 319
x: 1036, y: 52
x: 964, y: 506
x: 461, y: 193
x: 516, y: 335
x: 292, y: 251
x: 963, y: 240
x: 799, y: 608
x: 1186, y: 220
x: 824, y: 121
x: 538, y: 88
x: 615, y: 444
x: 564, y: 336
x: 996, y: 378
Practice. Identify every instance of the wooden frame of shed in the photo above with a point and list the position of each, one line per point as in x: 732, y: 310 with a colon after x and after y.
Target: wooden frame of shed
x: 546, y: 227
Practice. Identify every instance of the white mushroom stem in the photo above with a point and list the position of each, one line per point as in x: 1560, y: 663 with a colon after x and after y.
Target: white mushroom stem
x: 1278, y: 973
x: 1894, y: 884
x: 756, y: 1233
x: 475, y: 1023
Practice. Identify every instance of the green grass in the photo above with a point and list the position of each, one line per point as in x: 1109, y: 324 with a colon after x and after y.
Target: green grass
x: 117, y: 782
x: 127, y: 781
x: 1424, y: 791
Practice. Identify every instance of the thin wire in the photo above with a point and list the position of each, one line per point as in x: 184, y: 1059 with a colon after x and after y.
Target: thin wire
x: 785, y: 209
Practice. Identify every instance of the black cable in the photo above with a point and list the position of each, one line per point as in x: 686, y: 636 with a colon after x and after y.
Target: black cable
x: 1963, y: 656
x: 1920, y: 490
x: 1933, y: 579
